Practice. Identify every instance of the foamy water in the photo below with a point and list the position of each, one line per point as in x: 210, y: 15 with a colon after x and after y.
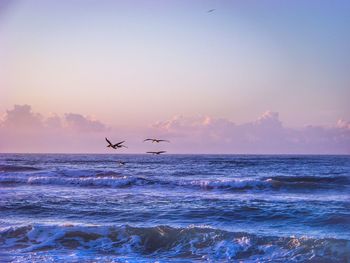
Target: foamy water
x: 174, y: 208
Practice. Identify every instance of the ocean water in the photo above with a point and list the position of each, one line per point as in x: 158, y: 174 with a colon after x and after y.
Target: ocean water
x: 174, y: 208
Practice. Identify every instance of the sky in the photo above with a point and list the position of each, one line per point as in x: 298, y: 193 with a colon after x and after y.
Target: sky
x: 250, y: 77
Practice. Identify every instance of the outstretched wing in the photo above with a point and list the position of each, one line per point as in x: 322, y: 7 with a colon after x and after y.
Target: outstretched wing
x: 163, y: 141
x: 148, y: 140
x: 108, y: 141
x: 119, y: 143
x: 161, y: 152
x: 151, y: 152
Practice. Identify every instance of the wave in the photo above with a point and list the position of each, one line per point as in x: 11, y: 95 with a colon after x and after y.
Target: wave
x: 195, y: 243
x: 16, y: 168
x: 311, y: 179
x: 272, y: 183
x: 115, y: 180
x: 97, y: 181
x: 238, y: 184
x: 309, y: 182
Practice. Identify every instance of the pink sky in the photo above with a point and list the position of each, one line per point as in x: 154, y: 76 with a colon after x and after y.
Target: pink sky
x: 23, y: 130
x: 246, y: 78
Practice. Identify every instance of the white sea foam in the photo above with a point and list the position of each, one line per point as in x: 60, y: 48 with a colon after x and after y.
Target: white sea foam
x: 192, y: 242
x: 229, y: 183
x: 106, y: 181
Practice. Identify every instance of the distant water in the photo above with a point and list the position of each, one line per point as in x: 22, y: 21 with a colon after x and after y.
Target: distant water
x: 174, y: 208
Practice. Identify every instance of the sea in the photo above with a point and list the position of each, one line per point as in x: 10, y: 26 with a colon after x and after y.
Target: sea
x: 174, y: 208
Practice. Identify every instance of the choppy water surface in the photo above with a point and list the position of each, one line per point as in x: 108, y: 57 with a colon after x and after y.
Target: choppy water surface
x: 174, y: 208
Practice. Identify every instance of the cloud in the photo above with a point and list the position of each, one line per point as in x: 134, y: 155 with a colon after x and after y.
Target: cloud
x: 54, y: 122
x: 342, y: 124
x: 21, y: 116
x: 80, y: 123
x: 23, y: 130
x: 266, y: 134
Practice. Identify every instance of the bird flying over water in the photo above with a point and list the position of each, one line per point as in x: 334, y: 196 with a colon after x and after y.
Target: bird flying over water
x: 121, y: 163
x: 155, y: 140
x: 120, y: 145
x: 211, y: 10
x: 157, y: 153
x: 115, y: 146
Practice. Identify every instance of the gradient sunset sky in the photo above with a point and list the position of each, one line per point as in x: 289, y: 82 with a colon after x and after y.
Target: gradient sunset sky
x: 250, y: 77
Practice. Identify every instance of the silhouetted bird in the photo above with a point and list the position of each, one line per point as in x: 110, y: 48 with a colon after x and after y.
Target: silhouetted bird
x: 159, y: 152
x: 211, y: 10
x: 120, y: 145
x: 155, y: 140
x: 115, y: 146
x: 121, y: 163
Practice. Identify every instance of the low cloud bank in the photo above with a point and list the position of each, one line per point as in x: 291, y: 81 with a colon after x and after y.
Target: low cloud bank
x: 266, y: 135
x: 22, y: 130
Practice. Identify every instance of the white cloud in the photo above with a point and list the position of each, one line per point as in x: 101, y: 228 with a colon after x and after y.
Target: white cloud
x: 21, y: 116
x: 22, y: 130
x: 343, y: 124
x: 267, y: 134
x: 82, y: 124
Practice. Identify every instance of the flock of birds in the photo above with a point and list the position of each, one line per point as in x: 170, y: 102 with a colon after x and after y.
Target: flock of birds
x: 153, y: 140
x: 121, y: 145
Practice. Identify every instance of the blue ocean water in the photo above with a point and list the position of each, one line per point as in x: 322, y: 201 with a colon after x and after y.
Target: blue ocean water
x: 174, y: 208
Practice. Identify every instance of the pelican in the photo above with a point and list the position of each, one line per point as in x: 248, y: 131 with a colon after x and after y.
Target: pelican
x: 156, y: 153
x: 155, y: 140
x: 120, y: 145
x: 115, y: 146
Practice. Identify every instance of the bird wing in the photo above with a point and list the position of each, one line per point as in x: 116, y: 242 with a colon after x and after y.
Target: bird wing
x: 163, y: 141
x: 151, y: 152
x: 108, y: 141
x: 119, y: 143
x: 148, y: 140
x: 161, y: 152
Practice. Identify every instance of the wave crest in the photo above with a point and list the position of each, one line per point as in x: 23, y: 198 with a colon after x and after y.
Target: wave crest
x: 202, y: 243
x: 113, y: 179
x: 17, y: 168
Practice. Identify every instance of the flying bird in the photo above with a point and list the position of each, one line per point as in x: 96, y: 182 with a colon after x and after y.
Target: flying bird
x: 155, y: 140
x: 211, y: 10
x: 115, y: 146
x: 121, y: 163
x: 156, y: 153
x: 120, y: 145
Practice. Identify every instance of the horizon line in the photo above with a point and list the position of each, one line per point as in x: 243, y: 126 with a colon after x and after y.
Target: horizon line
x: 266, y: 154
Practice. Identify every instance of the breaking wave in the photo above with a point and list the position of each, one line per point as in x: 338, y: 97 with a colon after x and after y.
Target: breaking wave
x: 16, y: 168
x: 195, y: 243
x: 115, y: 180
x: 96, y: 181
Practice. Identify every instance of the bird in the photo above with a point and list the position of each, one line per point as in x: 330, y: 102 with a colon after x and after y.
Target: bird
x: 211, y: 10
x: 120, y: 145
x: 155, y: 140
x: 121, y: 163
x: 115, y: 146
x: 156, y: 153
